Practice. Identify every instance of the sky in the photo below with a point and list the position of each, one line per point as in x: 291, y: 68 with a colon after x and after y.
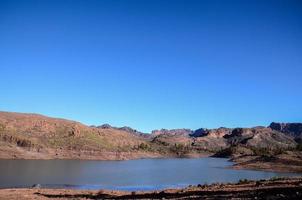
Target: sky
x: 153, y: 64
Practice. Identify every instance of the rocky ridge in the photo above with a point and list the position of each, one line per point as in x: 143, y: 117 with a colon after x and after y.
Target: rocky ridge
x: 37, y: 136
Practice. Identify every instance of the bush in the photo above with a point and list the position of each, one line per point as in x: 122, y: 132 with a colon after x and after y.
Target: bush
x: 2, y: 127
x: 266, y: 151
x: 224, y: 153
x: 261, y: 151
x: 180, y: 149
x: 299, y: 147
x: 241, y: 181
x: 144, y: 146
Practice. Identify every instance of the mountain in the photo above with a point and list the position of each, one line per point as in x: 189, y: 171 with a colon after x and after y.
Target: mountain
x: 216, y: 139
x: 125, y: 129
x: 32, y: 135
x: 37, y: 136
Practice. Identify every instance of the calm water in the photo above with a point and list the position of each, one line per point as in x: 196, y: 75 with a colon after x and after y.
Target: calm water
x: 145, y: 174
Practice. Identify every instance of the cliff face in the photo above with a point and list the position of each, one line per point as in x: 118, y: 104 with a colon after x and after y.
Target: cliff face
x: 172, y: 132
x: 37, y: 136
x: 292, y: 129
x: 213, y: 140
x: 259, y: 137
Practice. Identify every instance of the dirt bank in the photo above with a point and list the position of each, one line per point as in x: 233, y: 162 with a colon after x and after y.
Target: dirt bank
x: 21, y: 153
x: 290, y: 188
x: 286, y: 162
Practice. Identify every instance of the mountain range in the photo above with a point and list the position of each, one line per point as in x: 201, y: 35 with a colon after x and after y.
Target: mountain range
x: 34, y: 136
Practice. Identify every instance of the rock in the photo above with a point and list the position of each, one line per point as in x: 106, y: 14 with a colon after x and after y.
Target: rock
x: 173, y: 132
x: 219, y: 133
x: 260, y: 137
x: 75, y: 131
x: 134, y: 131
x: 292, y: 129
x: 105, y: 126
x: 36, y: 186
x: 199, y: 133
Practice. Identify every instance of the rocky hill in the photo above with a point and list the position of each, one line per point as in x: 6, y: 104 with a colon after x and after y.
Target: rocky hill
x: 38, y: 136
x: 292, y: 129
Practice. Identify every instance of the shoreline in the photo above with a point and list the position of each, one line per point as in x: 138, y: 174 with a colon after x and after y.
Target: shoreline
x: 52, y: 154
x: 276, y: 188
x: 287, y: 163
x: 238, y: 163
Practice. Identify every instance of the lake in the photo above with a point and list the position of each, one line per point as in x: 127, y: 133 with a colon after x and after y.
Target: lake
x: 143, y: 174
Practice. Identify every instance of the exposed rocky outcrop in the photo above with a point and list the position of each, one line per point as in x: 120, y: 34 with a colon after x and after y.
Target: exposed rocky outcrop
x: 172, y: 132
x: 214, y: 140
x: 124, y: 128
x: 135, y: 132
x: 259, y: 137
x: 104, y: 126
x: 292, y: 129
x: 199, y: 133
x: 218, y: 133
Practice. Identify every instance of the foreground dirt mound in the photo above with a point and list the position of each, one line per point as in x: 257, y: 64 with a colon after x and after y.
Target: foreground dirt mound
x: 262, y: 189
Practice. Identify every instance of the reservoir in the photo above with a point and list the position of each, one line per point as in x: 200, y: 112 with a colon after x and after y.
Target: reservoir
x: 143, y: 174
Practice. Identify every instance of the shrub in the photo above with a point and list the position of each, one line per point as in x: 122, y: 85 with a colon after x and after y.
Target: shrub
x: 180, y: 149
x: 241, y: 181
x: 144, y: 146
x: 227, y: 152
x: 299, y: 147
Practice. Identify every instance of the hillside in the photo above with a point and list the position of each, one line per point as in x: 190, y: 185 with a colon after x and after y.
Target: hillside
x: 37, y: 136
x: 33, y: 136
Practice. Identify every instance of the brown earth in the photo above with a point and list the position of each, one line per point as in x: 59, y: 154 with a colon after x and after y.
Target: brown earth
x: 289, y: 188
x: 285, y: 162
x: 32, y: 136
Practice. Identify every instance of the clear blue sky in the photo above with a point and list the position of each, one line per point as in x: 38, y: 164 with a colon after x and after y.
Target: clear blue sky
x: 153, y: 64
